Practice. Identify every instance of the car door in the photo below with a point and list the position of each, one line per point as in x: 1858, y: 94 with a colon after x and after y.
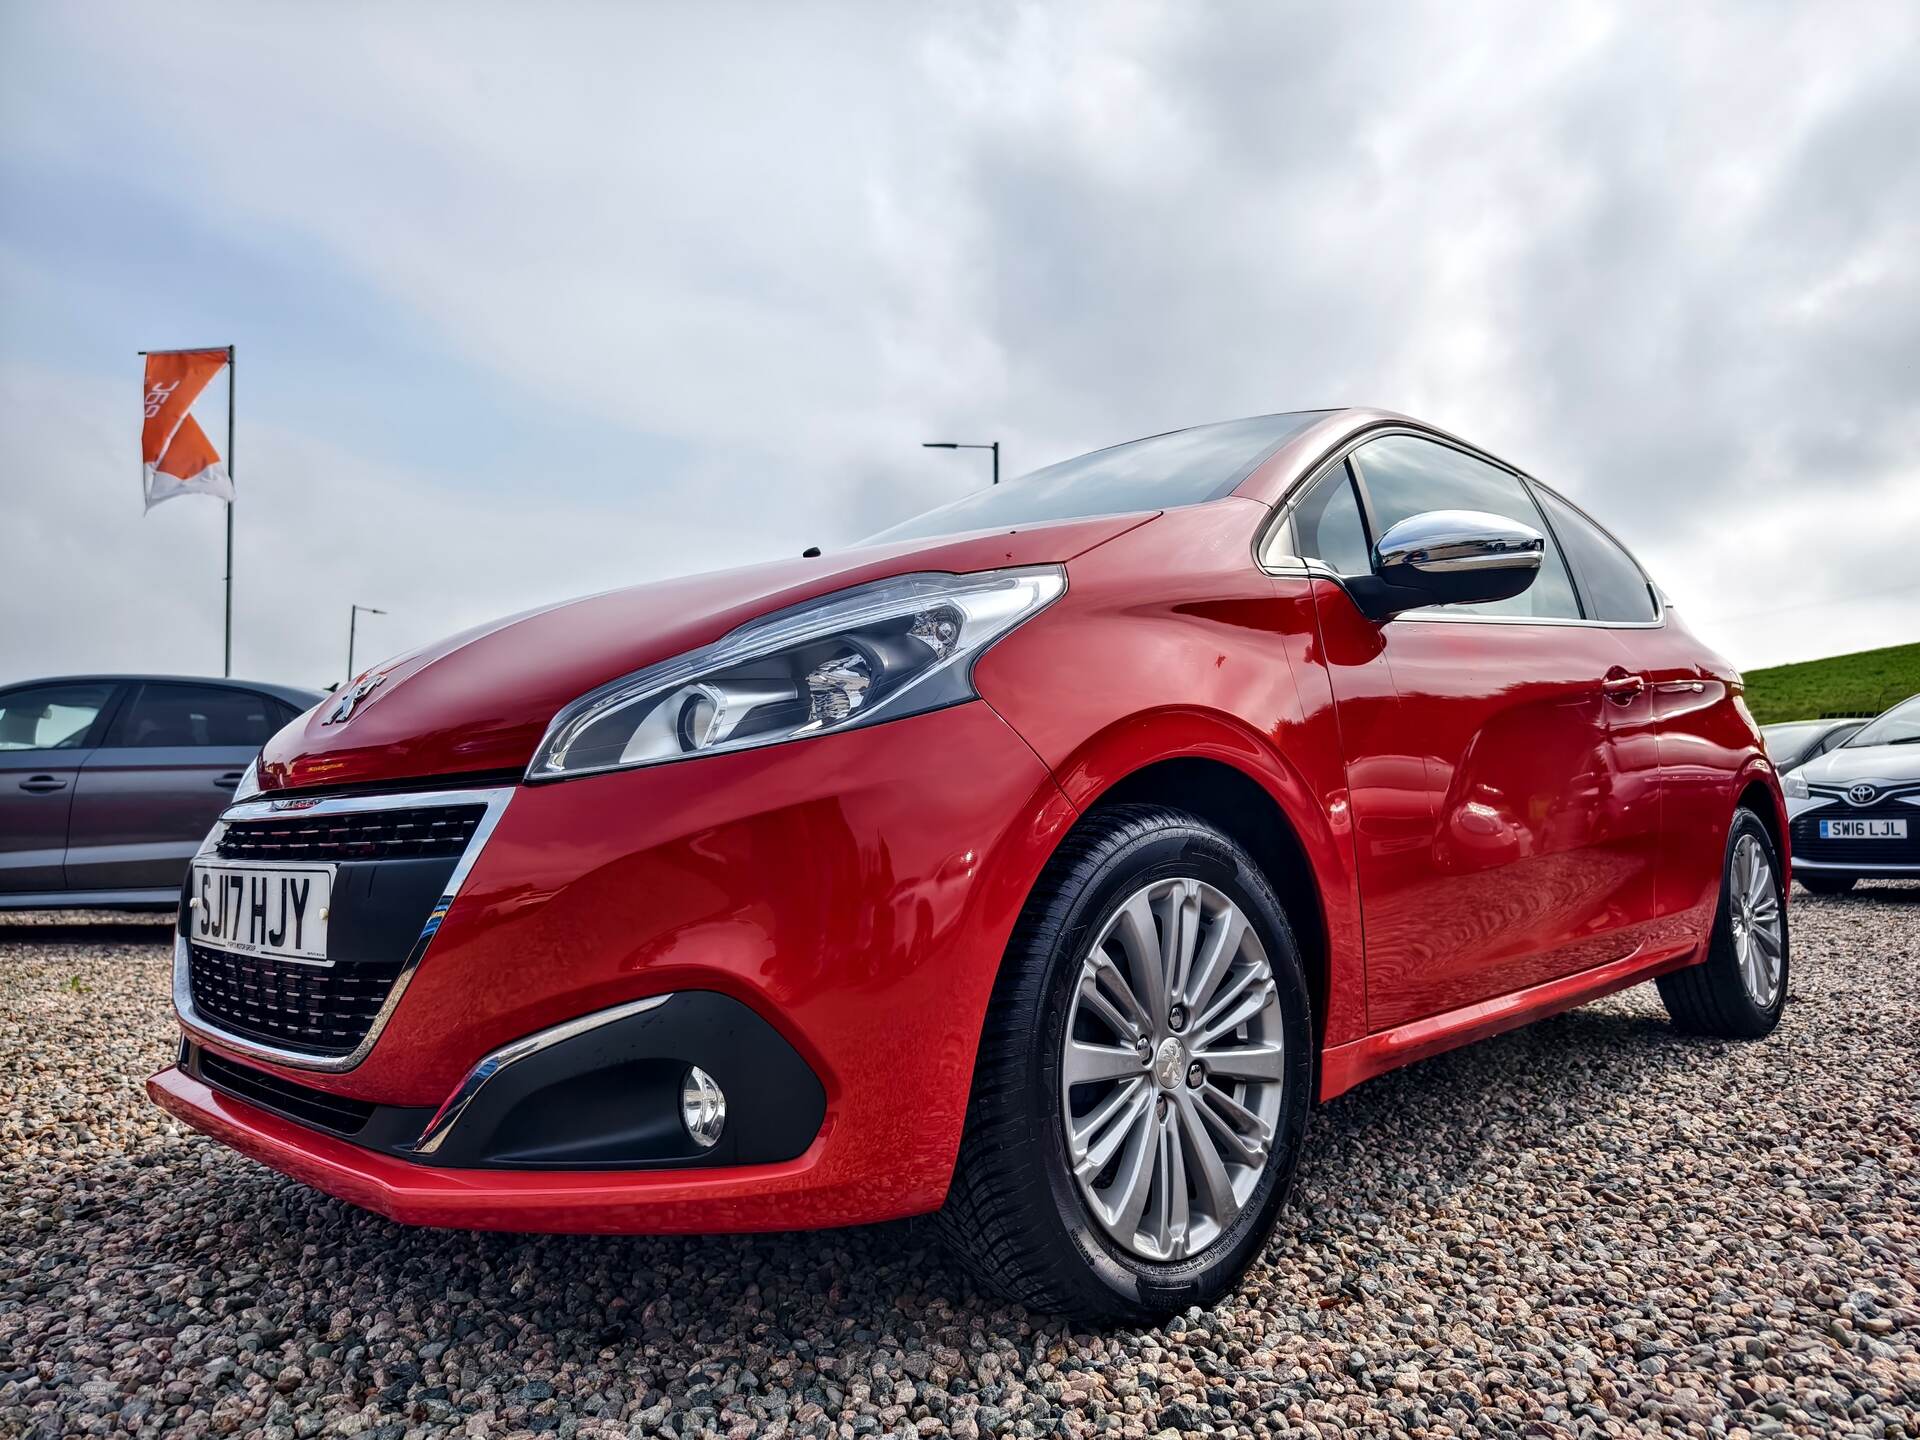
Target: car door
x: 147, y: 797
x: 46, y: 734
x: 1501, y: 839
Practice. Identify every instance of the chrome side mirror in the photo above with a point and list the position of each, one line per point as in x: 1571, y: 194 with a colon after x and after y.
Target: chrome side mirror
x: 1450, y: 557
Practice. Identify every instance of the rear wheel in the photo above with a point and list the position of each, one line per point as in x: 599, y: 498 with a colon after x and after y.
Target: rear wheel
x: 1740, y: 989
x: 1143, y: 1080
x: 1827, y: 884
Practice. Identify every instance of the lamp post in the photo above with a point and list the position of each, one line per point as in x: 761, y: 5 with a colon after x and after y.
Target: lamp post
x: 951, y: 445
x: 353, y: 620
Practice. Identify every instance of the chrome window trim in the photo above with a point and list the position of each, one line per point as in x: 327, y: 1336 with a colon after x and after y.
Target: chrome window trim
x: 200, y: 1028
x: 1297, y: 567
x: 448, y: 1115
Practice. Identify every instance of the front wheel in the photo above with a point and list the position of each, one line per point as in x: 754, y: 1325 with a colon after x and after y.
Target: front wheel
x: 1144, y: 1077
x: 1739, y: 990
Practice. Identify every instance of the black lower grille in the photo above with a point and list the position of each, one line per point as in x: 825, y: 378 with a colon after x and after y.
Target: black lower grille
x: 319, y: 1010
x: 284, y: 1097
x: 1808, y: 845
x: 428, y: 831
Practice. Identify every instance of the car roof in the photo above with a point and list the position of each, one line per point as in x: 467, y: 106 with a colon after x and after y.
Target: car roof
x: 296, y: 695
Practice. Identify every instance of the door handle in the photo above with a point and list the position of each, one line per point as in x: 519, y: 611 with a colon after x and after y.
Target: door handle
x: 1622, y: 688
x: 229, y: 781
x: 42, y: 784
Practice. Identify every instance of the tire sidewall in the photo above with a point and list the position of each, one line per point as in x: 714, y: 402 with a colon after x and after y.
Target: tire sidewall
x: 1187, y: 851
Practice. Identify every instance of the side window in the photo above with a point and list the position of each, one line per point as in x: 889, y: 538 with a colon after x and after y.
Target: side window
x: 50, y: 717
x: 1328, y: 528
x: 1404, y: 475
x: 161, y: 715
x: 1614, y: 586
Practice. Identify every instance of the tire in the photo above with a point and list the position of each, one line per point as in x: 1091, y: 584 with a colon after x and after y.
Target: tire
x: 1828, y: 884
x: 1018, y: 1215
x: 1736, y: 992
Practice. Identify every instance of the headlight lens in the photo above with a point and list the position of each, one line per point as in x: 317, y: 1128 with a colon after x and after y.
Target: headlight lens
x: 1794, y: 784
x: 876, y: 652
x: 249, y: 786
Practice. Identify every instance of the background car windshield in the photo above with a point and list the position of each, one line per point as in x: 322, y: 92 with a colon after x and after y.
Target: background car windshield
x: 1783, y: 738
x: 1899, y: 726
x: 1183, y: 467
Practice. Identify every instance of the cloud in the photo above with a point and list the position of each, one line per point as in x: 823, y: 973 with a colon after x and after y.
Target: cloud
x: 93, y: 584
x: 1667, y: 260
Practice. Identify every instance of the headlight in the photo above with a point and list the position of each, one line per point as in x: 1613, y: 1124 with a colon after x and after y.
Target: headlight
x: 876, y: 652
x: 249, y: 786
x: 1794, y: 784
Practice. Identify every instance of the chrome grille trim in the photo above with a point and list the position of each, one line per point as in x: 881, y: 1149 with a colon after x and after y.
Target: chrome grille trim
x: 196, y: 1025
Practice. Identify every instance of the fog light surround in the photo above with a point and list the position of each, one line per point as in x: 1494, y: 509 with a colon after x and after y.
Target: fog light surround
x: 703, y: 1107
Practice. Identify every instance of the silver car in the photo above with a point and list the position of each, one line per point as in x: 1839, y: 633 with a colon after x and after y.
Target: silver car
x: 1854, y: 812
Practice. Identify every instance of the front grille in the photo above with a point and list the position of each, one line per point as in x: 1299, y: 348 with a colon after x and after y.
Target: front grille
x: 320, y: 1010
x: 284, y: 1097
x: 1808, y: 845
x: 439, y: 830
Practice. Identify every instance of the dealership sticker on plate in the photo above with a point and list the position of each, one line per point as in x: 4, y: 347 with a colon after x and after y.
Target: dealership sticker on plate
x: 272, y: 910
x: 1863, y: 829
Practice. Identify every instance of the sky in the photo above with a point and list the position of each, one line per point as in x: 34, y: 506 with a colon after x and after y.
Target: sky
x: 533, y: 302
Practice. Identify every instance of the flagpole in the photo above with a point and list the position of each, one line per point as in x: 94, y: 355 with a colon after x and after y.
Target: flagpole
x: 227, y: 670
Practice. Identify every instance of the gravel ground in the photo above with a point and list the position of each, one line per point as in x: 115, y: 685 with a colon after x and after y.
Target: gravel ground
x: 1590, y: 1227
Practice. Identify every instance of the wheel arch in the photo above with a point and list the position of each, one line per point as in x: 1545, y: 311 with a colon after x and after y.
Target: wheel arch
x: 1759, y: 791
x: 1238, y: 806
x: 1217, y: 769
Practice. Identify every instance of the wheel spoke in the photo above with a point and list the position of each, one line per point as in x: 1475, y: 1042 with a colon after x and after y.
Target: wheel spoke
x: 1238, y: 1126
x: 1246, y: 999
x: 1251, y: 1062
x: 1134, y: 1181
x: 1106, y: 1125
x: 1134, y: 928
x: 1104, y: 985
x: 1179, y: 933
x: 1216, y: 1188
x: 1223, y: 943
x: 1087, y: 1063
x: 1174, y: 1207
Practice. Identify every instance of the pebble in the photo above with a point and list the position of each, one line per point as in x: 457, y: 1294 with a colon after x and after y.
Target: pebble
x: 1593, y: 1227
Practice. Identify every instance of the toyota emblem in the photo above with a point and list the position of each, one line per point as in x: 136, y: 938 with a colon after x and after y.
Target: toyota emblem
x: 1862, y: 794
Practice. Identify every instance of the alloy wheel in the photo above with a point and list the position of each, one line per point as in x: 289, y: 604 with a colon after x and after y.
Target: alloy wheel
x: 1759, y: 942
x: 1172, y: 1072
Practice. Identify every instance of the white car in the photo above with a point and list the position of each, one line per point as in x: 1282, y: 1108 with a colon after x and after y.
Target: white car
x: 1854, y: 812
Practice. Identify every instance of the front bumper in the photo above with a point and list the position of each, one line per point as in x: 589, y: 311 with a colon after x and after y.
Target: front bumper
x: 853, y: 894
x: 752, y: 1197
x: 1885, y: 859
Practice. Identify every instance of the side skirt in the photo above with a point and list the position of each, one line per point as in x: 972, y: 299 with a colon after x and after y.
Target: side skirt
x: 1344, y: 1066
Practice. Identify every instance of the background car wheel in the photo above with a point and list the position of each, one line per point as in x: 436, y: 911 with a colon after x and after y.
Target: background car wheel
x: 1827, y: 884
x: 1741, y: 987
x: 1144, y: 1076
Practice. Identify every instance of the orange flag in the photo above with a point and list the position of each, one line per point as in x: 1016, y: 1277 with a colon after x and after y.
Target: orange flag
x: 176, y: 457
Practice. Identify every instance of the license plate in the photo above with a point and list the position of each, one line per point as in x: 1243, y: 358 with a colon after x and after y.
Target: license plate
x: 273, y: 910
x: 1863, y: 829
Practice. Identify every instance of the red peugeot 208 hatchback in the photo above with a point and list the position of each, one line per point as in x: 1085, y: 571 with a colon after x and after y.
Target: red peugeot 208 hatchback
x: 1040, y: 861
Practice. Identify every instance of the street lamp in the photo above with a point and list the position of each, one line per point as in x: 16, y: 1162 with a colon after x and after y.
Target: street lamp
x: 353, y: 620
x: 950, y: 445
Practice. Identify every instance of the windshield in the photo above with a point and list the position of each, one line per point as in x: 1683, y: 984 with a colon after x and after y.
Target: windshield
x: 1899, y: 726
x: 1182, y: 467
